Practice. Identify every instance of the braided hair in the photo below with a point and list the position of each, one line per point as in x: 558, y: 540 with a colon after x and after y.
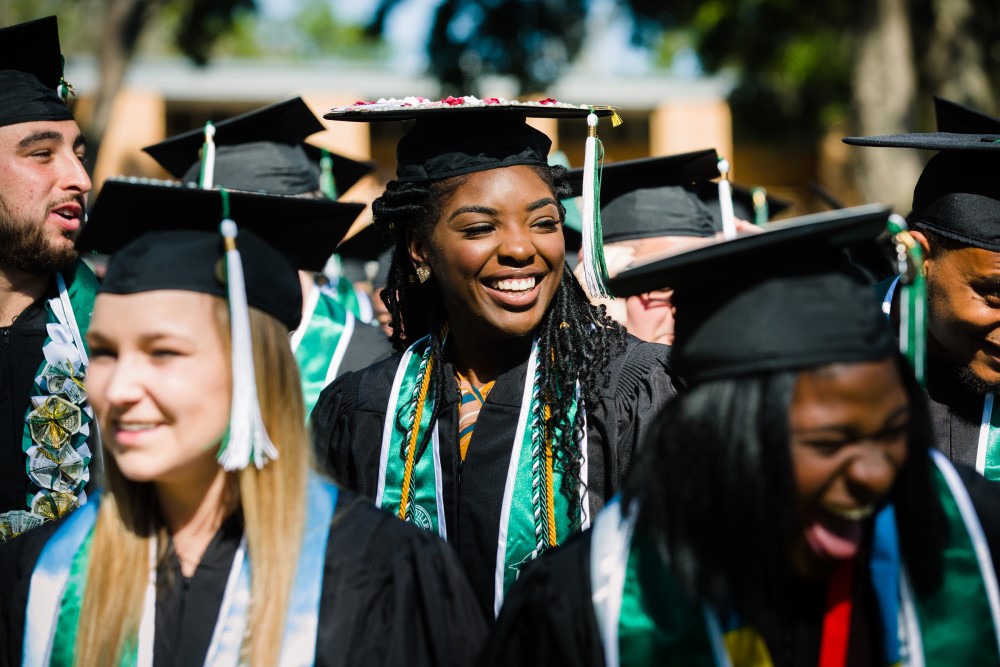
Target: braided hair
x: 576, y: 339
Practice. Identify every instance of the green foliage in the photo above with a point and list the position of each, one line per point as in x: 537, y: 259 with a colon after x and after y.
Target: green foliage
x: 531, y: 40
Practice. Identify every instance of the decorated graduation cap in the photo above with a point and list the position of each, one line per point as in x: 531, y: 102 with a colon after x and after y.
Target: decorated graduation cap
x: 648, y: 198
x: 31, y: 74
x: 464, y: 135
x: 263, y: 151
x: 306, y: 230
x: 783, y: 299
x: 958, y: 194
x: 244, y: 270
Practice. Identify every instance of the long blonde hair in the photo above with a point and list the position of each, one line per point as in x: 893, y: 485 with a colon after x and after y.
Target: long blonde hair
x: 273, y: 502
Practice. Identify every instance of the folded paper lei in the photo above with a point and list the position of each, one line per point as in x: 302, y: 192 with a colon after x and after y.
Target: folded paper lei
x: 59, y: 426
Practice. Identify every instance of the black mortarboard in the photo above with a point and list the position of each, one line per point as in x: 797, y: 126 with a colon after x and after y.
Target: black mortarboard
x: 744, y: 201
x: 189, y: 260
x: 307, y: 230
x: 646, y: 198
x: 260, y: 151
x: 31, y: 73
x: 365, y: 246
x: 456, y: 137
x: 958, y: 194
x: 783, y: 299
x: 955, y: 117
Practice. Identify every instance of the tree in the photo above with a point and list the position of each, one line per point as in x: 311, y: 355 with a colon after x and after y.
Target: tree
x: 870, y: 68
x: 532, y: 40
x: 118, y: 26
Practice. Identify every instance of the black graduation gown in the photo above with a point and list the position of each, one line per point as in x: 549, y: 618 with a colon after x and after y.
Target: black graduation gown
x: 20, y: 358
x: 350, y: 414
x: 392, y: 595
x: 548, y: 617
x: 956, y: 415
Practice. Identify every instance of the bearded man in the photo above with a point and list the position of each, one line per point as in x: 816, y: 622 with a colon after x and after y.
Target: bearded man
x: 47, y: 438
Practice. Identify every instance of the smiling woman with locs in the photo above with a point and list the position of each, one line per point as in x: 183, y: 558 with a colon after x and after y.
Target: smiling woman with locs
x: 512, y: 407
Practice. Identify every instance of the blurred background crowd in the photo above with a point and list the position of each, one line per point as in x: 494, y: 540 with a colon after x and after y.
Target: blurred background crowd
x: 772, y: 84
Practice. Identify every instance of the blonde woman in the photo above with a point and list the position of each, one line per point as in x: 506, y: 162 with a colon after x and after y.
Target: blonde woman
x: 182, y: 561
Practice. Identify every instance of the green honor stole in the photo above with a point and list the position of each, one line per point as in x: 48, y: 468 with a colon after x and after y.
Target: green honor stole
x: 320, y: 343
x: 645, y: 619
x: 534, y: 515
x: 59, y: 581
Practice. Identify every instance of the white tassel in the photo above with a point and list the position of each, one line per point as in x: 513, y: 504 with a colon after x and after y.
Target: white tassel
x: 247, y: 439
x: 208, y: 158
x: 726, y: 202
x: 594, y: 269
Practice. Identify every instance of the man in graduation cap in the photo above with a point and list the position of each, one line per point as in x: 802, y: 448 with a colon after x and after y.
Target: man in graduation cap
x: 263, y: 152
x: 47, y: 438
x: 956, y: 210
x: 652, y: 207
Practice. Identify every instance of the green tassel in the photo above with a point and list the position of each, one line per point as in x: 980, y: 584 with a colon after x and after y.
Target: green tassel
x: 327, y: 184
x: 913, y: 297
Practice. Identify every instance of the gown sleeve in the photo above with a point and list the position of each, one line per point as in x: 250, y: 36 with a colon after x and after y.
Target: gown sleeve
x: 17, y: 562
x: 547, y: 618
x: 332, y: 432
x: 394, y: 595
x: 644, y: 386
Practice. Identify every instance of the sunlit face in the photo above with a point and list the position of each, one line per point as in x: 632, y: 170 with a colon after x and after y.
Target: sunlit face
x: 159, y: 382
x: 650, y: 316
x: 849, y: 425
x: 43, y: 187
x: 497, y: 253
x: 963, y: 299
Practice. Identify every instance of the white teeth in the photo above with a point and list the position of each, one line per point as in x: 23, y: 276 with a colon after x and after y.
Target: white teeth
x: 514, y: 284
x: 135, y: 427
x: 852, y: 514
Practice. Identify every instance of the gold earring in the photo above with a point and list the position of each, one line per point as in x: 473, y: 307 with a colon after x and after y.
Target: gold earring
x: 423, y: 274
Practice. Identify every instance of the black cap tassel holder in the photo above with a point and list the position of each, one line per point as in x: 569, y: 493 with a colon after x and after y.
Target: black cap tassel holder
x: 246, y: 440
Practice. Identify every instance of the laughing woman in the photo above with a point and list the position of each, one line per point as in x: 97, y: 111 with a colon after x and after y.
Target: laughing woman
x: 512, y: 407
x: 790, y: 509
x: 209, y: 546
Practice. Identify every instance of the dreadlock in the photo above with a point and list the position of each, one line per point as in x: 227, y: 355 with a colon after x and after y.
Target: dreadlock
x: 577, y: 340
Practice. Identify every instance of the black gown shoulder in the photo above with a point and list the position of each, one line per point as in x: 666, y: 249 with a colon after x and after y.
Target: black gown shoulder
x: 392, y: 595
x: 548, y: 617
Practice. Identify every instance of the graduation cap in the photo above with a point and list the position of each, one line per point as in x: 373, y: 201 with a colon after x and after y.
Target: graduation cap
x: 31, y: 73
x: 261, y: 151
x: 783, y: 299
x: 647, y: 198
x: 750, y: 204
x: 307, y: 230
x: 955, y: 117
x: 463, y: 135
x: 958, y: 194
x: 186, y: 259
x: 365, y: 246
